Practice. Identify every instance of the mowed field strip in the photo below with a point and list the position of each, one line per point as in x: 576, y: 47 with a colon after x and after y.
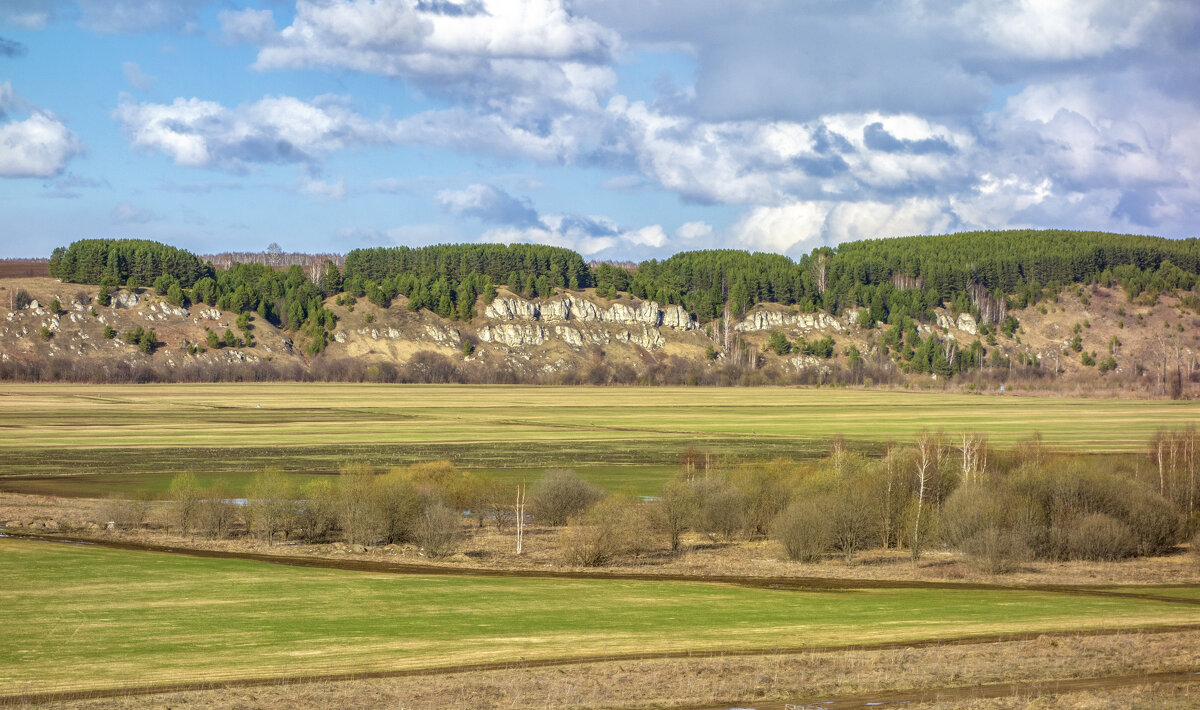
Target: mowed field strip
x: 66, y: 429
x: 86, y: 618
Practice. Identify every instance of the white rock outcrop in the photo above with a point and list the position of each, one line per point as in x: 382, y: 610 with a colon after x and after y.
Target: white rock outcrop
x: 965, y: 323
x: 125, y: 300
x: 511, y: 309
x: 763, y: 319
x: 513, y: 334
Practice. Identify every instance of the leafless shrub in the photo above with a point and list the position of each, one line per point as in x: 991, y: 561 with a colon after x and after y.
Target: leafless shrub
x: 996, y: 551
x: 804, y: 531
x: 560, y: 495
x: 1099, y: 537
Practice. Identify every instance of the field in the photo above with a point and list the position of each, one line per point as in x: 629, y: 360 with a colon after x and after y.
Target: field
x: 81, y: 617
x: 123, y: 438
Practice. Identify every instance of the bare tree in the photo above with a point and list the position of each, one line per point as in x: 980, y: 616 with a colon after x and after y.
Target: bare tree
x: 269, y: 503
x: 1158, y: 447
x: 520, y: 508
x: 217, y: 512
x: 926, y: 466
x: 677, y: 504
x: 185, y: 502
x: 357, y: 511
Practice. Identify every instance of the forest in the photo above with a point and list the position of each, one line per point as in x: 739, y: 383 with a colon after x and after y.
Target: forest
x: 898, y: 282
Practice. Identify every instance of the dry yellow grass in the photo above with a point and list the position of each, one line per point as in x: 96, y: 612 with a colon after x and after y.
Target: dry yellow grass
x: 748, y: 681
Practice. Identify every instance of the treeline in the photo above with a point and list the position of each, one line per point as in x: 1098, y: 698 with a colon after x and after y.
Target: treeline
x: 429, y: 367
x: 132, y: 263
x: 447, y: 279
x: 891, y: 281
x: 1000, y: 508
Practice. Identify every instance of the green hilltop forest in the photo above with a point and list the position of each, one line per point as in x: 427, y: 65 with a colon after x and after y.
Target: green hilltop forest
x: 982, y: 272
x: 898, y: 283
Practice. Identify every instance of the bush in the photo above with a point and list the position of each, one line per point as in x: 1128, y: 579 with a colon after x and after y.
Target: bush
x: 21, y: 299
x: 560, y: 495
x: 269, y: 503
x: 996, y: 551
x: 123, y: 513
x: 109, y: 332
x: 1100, y: 538
x: 804, y: 531
x: 437, y: 529
x: 185, y: 502
x: 1155, y: 524
x: 316, y: 513
x: 853, y: 520
x: 615, y: 526
x: 721, y: 512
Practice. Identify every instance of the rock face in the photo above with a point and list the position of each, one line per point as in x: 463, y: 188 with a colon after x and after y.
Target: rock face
x: 763, y: 319
x: 520, y: 322
x: 513, y: 334
x: 511, y: 309
x: 125, y: 300
x: 965, y: 323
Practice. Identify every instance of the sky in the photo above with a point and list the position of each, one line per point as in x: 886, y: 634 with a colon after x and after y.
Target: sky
x: 622, y: 129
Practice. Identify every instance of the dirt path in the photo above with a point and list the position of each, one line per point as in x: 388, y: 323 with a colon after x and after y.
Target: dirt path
x: 973, y: 692
x: 1000, y: 689
x: 797, y: 583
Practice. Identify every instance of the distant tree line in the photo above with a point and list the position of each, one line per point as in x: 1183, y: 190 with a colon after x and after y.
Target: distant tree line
x: 999, y: 507
x: 977, y: 272
x: 894, y: 282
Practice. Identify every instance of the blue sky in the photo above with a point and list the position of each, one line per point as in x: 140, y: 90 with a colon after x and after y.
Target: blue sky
x: 620, y: 129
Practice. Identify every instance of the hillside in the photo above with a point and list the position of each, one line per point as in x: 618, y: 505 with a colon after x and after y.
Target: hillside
x: 578, y: 336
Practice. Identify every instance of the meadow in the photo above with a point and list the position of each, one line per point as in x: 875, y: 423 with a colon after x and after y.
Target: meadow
x: 107, y: 436
x: 82, y: 617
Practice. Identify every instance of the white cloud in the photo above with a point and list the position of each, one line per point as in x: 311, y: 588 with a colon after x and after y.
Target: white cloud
x: 276, y: 129
x: 490, y: 204
x: 39, y: 146
x: 132, y: 16
x: 323, y: 191
x: 691, y: 231
x: 125, y: 213
x: 800, y: 226
x: 652, y: 236
x: 252, y: 26
x: 1061, y: 29
x: 500, y: 52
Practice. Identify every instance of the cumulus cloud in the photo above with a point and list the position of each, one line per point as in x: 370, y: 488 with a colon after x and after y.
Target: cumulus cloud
x: 1062, y: 29
x: 250, y: 25
x: 133, y: 16
x: 499, y: 52
x: 519, y: 221
x: 489, y: 204
x: 798, y: 227
x: 274, y: 130
x: 692, y: 231
x: 38, y: 146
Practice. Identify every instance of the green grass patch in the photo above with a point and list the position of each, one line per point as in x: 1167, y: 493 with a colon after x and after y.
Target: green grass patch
x: 627, y: 438
x: 78, y: 617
